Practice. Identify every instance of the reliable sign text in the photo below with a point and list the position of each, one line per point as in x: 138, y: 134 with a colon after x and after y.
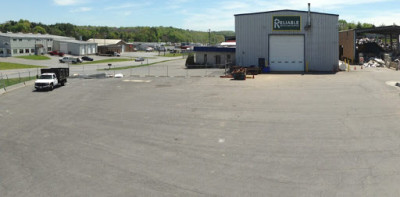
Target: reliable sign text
x: 286, y: 23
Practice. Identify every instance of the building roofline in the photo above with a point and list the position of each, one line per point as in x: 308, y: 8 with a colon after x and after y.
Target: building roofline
x: 284, y: 11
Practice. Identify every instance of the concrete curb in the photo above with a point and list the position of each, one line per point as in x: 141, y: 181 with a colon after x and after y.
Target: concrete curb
x: 16, y: 86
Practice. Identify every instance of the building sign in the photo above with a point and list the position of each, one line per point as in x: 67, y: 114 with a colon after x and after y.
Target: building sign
x: 286, y: 23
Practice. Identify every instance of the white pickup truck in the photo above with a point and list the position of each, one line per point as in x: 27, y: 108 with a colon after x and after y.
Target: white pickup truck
x: 46, y: 81
x: 51, y: 77
x: 73, y: 60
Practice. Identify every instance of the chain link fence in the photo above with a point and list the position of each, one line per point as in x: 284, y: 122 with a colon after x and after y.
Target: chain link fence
x: 10, y: 79
x: 146, y: 71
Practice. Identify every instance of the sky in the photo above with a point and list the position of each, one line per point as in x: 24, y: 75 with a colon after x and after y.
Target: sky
x: 198, y: 15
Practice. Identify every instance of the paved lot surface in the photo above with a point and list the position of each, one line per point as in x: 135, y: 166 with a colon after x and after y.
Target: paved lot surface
x: 276, y: 135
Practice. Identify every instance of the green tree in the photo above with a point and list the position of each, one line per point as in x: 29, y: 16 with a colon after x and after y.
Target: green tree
x: 39, y: 29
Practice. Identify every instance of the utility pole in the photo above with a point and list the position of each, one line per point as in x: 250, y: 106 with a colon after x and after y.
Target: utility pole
x: 209, y: 37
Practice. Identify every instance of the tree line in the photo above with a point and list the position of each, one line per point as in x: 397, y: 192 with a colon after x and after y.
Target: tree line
x: 344, y: 25
x: 128, y: 34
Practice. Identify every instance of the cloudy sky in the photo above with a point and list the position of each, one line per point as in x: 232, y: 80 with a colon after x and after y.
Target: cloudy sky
x: 187, y: 14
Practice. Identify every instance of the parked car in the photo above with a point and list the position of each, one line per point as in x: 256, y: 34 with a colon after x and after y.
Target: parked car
x: 73, y: 60
x: 149, y: 49
x: 57, y: 53
x: 139, y: 59
x: 86, y: 58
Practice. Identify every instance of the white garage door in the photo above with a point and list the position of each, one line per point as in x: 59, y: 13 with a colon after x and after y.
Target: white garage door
x: 64, y: 47
x: 286, y: 52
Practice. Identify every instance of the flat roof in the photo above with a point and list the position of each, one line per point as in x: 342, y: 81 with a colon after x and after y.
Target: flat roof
x: 215, y: 49
x: 393, y: 29
x: 31, y: 35
x: 284, y: 11
x: 77, y: 41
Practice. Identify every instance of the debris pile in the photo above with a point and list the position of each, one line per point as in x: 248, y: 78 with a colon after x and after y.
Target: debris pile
x: 239, y: 73
x: 375, y: 62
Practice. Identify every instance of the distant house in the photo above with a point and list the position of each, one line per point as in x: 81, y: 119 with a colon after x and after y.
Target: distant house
x: 115, y: 45
x: 19, y: 44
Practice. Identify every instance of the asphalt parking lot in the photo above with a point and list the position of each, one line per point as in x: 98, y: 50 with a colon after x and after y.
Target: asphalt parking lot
x: 275, y: 135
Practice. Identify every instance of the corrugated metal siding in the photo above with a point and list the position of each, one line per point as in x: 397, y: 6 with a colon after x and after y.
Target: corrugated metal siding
x: 321, y: 43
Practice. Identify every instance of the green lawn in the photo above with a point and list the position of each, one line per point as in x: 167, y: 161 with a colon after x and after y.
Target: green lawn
x: 134, y: 66
x: 108, y: 61
x: 10, y: 66
x: 170, y: 54
x: 34, y: 57
x: 12, y: 81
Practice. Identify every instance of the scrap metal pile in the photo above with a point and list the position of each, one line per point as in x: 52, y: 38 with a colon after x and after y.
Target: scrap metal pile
x: 374, y: 62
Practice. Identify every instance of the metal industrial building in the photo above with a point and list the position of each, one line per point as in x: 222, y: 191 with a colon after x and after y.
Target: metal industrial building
x: 75, y: 47
x: 288, y: 40
x: 19, y: 44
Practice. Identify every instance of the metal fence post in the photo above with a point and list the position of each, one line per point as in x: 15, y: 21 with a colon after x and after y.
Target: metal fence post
x: 167, y: 70
x: 19, y: 77
x: 8, y: 83
x: 1, y: 78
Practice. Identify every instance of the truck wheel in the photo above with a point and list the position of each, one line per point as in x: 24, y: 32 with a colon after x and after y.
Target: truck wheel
x: 51, y: 87
x: 62, y: 83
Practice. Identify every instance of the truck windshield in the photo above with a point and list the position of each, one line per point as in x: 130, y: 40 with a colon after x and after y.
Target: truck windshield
x: 45, y: 76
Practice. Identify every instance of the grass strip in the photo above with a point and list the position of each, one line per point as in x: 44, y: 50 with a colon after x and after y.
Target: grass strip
x: 10, y: 66
x: 171, y: 55
x: 108, y: 61
x: 134, y: 66
x: 34, y: 57
x: 12, y: 81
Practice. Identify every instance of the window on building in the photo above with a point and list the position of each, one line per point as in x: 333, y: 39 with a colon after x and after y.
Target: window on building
x: 48, y: 48
x: 32, y: 50
x: 9, y: 51
x: 21, y: 51
x: 15, y: 51
x: 14, y: 40
x: 26, y: 50
x: 20, y: 40
x: 1, y: 51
